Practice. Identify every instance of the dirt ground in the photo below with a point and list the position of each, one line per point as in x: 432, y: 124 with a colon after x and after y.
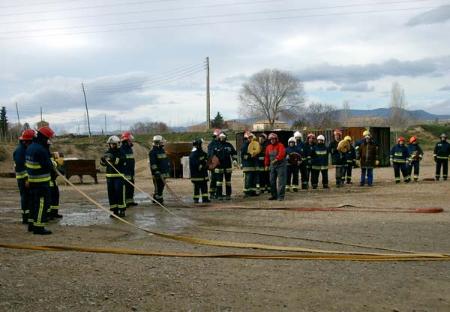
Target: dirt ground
x: 70, y: 281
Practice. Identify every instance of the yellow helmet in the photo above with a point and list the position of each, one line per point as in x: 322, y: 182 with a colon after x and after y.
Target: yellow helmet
x: 348, y: 138
x: 366, y: 133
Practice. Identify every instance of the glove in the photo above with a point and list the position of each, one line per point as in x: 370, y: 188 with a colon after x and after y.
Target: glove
x: 266, y: 168
x: 54, y: 163
x: 358, y: 163
x: 27, y: 184
x: 377, y: 163
x: 435, y: 159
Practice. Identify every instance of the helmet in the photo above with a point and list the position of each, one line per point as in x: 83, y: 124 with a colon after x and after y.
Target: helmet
x: 263, y: 135
x: 366, y: 133
x: 321, y: 137
x: 443, y: 135
x: 114, y: 139
x: 222, y: 135
x: 47, y: 132
x: 298, y: 134
x: 292, y: 140
x: 216, y: 132
x: 157, y: 138
x: 400, y: 139
x: 348, y: 138
x: 27, y: 135
x: 273, y: 136
x: 127, y: 136
x: 311, y: 135
x: 248, y: 134
x: 412, y: 139
x: 197, y: 142
x: 337, y: 131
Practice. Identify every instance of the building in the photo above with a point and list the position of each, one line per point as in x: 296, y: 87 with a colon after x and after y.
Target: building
x: 264, y: 125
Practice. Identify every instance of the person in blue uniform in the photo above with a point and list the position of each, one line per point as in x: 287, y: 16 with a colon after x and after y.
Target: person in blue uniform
x: 441, y: 156
x: 226, y: 153
x: 319, y: 163
x: 293, y: 161
x: 399, y: 160
x: 415, y: 157
x: 126, y: 148
x: 199, y: 171
x: 159, y: 166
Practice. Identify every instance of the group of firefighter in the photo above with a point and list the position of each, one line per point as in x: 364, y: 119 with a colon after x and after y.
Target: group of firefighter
x: 268, y: 166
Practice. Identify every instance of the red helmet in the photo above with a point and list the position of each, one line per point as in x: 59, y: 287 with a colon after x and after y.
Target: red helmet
x: 400, y: 139
x: 27, y: 135
x: 337, y: 131
x: 47, y: 132
x: 412, y: 139
x: 311, y: 135
x: 273, y: 136
x: 217, y: 132
x: 127, y: 136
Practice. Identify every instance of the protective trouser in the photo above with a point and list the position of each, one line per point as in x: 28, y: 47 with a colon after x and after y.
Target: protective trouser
x: 116, y: 194
x: 340, y: 173
x: 292, y: 178
x: 444, y: 164
x: 25, y: 201
x: 315, y: 177
x: 347, y: 173
x: 158, y: 185
x: 278, y: 181
x: 213, y: 184
x: 369, y: 172
x: 220, y: 174
x: 250, y: 180
x: 200, y: 190
x: 263, y: 180
x: 414, y: 169
x: 129, y: 190
x: 401, y: 167
x: 40, y: 203
x: 54, y: 199
x: 305, y: 175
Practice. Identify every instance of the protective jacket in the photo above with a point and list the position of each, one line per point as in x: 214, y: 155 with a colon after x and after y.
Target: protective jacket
x: 350, y: 156
x: 399, y: 154
x: 367, y: 154
x: 307, y: 152
x: 197, y: 165
x: 226, y: 153
x: 415, y: 152
x: 293, y: 155
x: 336, y: 156
x: 19, y: 161
x: 159, y: 163
x: 442, y: 150
x: 38, y: 163
x: 275, y: 152
x: 248, y: 162
x: 116, y: 158
x: 320, y: 157
x: 127, y: 150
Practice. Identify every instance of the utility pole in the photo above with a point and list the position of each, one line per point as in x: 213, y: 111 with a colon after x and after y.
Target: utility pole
x: 87, y: 110
x: 17, y: 111
x: 41, y: 114
x: 208, y: 99
x: 106, y: 130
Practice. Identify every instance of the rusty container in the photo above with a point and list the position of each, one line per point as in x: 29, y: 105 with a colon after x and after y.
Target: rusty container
x: 175, y: 151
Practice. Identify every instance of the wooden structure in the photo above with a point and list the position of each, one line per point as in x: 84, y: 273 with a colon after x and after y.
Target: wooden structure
x: 80, y: 167
x: 176, y: 151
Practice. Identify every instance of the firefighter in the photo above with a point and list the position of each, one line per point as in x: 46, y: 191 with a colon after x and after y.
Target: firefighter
x: 211, y: 146
x: 275, y: 160
x: 39, y: 167
x: 293, y: 161
x: 367, y: 158
x: 302, y: 166
x: 337, y: 158
x: 319, y: 163
x: 399, y: 160
x: 263, y: 182
x: 199, y: 172
x: 349, y: 155
x: 126, y: 148
x: 21, y: 173
x: 307, y: 156
x: 53, y: 212
x: 416, y: 155
x: 249, y: 160
x: 114, y: 159
x: 226, y: 153
x: 159, y: 166
x: 441, y: 156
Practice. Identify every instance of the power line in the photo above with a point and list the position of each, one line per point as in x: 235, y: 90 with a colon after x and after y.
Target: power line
x: 236, y: 21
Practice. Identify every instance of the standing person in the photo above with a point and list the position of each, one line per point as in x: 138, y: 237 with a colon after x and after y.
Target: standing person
x: 39, y: 167
x: 302, y: 166
x: 307, y: 153
x: 337, y: 158
x: 441, y: 156
x: 275, y: 160
x: 399, y: 160
x: 226, y: 153
x: 249, y: 160
x: 349, y: 155
x: 53, y: 212
x: 367, y: 157
x: 199, y: 172
x: 416, y: 155
x: 159, y: 166
x: 211, y: 146
x: 319, y: 163
x: 25, y: 140
x: 293, y: 160
x: 126, y: 148
x: 114, y: 161
x: 263, y: 182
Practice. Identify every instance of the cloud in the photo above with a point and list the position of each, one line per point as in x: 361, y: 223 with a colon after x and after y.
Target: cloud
x: 341, y: 74
x: 438, y: 15
x: 439, y: 107
x: 358, y: 87
x: 444, y: 88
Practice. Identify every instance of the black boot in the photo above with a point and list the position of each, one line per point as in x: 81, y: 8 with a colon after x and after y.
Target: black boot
x: 41, y: 231
x: 30, y: 227
x: 25, y: 218
x: 55, y: 214
x: 121, y: 213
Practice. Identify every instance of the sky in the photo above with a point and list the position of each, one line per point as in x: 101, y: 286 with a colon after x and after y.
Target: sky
x: 145, y: 61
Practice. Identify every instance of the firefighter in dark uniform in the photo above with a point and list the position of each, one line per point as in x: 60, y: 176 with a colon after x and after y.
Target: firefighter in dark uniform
x: 39, y: 167
x: 53, y: 212
x: 307, y: 153
x: 249, y: 165
x: 114, y: 178
x: 319, y: 163
x: 349, y: 160
x: 263, y: 181
x: 441, y: 156
x: 415, y: 157
x: 293, y: 160
x: 211, y: 146
x: 126, y: 147
x: 21, y: 173
x: 302, y: 166
x: 227, y: 158
x: 337, y: 158
x: 399, y: 160
x: 159, y: 166
x: 199, y: 172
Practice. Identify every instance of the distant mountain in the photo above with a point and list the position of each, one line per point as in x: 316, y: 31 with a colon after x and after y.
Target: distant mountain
x: 386, y: 112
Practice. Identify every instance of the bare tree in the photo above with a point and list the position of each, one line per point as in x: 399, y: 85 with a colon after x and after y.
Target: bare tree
x: 271, y: 93
x: 345, y: 114
x: 320, y: 116
x: 398, y: 118
x: 149, y: 127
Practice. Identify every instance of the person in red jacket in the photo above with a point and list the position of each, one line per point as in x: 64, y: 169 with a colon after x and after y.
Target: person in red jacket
x: 275, y: 160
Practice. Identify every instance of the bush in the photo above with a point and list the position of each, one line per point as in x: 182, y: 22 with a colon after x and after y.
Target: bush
x: 3, y: 153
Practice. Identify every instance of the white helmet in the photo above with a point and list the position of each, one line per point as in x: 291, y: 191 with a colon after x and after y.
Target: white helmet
x: 298, y: 134
x: 114, y: 139
x: 157, y: 138
x: 321, y: 137
x: 292, y: 140
x: 222, y: 135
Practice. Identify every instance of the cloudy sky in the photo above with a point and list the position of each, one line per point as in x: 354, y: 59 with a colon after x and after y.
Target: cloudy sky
x: 145, y: 60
